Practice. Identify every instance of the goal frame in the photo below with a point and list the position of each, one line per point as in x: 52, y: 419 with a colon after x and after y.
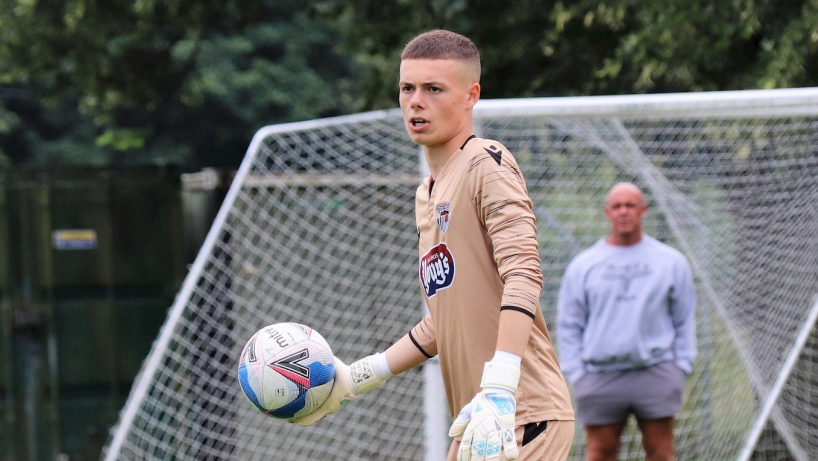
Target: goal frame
x: 776, y: 102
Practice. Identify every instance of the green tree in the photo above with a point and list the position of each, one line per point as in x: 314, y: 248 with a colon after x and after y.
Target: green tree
x: 8, y: 122
x: 589, y: 47
x: 183, y: 81
x: 191, y: 80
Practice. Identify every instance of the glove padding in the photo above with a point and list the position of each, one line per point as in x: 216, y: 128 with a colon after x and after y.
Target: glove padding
x: 487, y: 422
x: 350, y: 382
x: 487, y: 425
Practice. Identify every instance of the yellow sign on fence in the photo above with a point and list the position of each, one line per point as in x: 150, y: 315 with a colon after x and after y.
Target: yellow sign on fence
x: 74, y: 239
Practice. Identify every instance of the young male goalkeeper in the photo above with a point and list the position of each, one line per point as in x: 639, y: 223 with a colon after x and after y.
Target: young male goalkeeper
x: 479, y: 270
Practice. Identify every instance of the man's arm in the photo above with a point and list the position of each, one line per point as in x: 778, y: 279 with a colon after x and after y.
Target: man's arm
x: 572, y: 315
x: 683, y: 314
x: 506, y: 210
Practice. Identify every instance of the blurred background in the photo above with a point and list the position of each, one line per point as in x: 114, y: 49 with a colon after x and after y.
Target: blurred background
x: 122, y: 122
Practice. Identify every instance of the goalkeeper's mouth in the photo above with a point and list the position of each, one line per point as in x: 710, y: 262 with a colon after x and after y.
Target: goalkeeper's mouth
x: 418, y: 123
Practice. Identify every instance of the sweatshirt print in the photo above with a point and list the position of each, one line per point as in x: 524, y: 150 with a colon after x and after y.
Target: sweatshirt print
x: 626, y: 307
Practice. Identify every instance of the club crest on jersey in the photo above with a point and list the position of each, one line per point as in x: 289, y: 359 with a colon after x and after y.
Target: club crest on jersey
x: 436, y: 269
x: 444, y: 213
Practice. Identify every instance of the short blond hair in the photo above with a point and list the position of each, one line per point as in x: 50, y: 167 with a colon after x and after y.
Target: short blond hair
x: 444, y: 44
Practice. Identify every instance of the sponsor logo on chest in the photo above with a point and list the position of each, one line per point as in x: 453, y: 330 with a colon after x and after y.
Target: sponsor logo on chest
x: 436, y: 269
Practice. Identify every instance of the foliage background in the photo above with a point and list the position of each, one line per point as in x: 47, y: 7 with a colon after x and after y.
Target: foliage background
x: 189, y: 81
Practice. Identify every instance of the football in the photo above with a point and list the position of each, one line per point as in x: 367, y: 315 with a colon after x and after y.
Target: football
x: 286, y: 370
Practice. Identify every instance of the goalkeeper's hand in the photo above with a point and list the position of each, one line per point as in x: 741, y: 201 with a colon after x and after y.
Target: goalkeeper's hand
x: 487, y: 422
x: 350, y: 381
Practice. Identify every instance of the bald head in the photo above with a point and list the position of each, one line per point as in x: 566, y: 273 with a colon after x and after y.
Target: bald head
x: 624, y: 208
x: 624, y: 188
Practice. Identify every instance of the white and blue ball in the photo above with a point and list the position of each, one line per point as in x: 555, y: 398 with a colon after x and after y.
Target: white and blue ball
x: 286, y: 370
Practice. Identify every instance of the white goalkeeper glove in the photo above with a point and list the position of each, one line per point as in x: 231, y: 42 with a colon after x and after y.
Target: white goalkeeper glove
x: 350, y: 381
x: 487, y: 422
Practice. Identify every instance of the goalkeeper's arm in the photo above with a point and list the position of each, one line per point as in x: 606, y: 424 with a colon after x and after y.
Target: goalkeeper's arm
x: 365, y: 375
x: 489, y: 419
x: 514, y: 331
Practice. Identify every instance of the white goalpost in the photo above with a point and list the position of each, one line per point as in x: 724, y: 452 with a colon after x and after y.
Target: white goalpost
x: 318, y: 228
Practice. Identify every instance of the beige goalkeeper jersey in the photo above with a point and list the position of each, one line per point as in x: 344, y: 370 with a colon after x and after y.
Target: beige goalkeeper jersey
x: 478, y: 252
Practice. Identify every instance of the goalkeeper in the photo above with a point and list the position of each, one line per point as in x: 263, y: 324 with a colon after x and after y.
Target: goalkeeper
x: 479, y: 270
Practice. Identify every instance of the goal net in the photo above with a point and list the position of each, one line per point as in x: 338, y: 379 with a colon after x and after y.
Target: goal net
x: 318, y: 228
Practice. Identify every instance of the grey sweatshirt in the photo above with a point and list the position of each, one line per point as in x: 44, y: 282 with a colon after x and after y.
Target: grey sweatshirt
x: 626, y: 307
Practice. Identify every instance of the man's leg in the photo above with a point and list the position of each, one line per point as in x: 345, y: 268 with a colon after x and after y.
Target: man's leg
x: 602, y: 441
x: 662, y: 388
x: 657, y: 438
x: 603, y: 404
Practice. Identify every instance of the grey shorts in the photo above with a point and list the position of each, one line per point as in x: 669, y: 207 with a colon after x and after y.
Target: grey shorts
x: 648, y: 393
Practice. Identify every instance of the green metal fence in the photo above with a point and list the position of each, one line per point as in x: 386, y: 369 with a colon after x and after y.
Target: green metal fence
x: 90, y: 260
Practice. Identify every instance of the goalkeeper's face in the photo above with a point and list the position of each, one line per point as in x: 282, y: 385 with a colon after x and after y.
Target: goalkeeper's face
x: 437, y: 97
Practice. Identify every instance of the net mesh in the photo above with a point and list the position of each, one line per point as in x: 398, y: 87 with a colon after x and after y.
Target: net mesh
x: 319, y: 229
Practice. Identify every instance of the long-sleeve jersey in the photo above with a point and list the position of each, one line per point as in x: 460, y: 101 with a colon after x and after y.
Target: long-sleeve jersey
x: 478, y: 254
x: 626, y: 307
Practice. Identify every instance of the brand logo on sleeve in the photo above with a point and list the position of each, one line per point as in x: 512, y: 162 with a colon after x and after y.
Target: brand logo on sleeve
x: 444, y: 213
x: 436, y: 269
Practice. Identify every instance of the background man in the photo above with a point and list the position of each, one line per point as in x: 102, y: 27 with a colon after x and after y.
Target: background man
x: 626, y: 320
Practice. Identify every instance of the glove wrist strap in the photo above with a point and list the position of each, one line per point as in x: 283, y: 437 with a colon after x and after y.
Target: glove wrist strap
x: 501, y: 375
x: 364, y: 376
